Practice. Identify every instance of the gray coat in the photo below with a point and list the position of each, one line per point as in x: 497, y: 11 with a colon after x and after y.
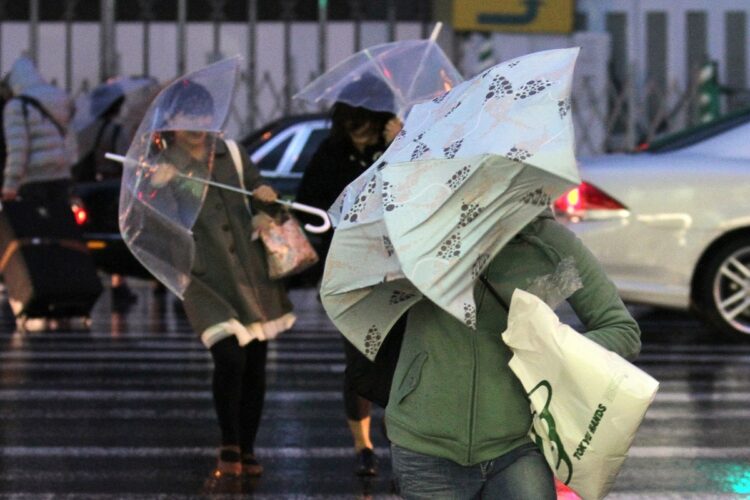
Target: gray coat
x: 230, y: 274
x: 36, y: 151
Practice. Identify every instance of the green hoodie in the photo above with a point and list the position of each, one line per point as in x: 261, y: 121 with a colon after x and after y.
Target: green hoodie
x: 453, y: 394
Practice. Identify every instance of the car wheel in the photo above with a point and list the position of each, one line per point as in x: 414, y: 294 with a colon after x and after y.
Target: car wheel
x: 723, y: 288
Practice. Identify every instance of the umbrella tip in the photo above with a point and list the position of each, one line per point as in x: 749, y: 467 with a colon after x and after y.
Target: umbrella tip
x: 436, y: 31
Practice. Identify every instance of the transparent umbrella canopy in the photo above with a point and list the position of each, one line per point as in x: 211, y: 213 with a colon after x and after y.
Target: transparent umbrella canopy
x: 91, y: 106
x: 389, y: 77
x: 164, y: 186
x: 158, y: 210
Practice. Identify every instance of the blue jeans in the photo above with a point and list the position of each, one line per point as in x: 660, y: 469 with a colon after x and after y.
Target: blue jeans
x: 520, y: 474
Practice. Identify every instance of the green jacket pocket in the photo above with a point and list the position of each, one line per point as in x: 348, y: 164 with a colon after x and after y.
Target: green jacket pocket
x: 411, y: 378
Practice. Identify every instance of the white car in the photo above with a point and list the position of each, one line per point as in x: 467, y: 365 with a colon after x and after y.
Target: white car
x: 671, y: 224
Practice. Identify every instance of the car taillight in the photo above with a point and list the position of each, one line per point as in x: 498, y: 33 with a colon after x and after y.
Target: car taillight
x: 80, y: 213
x: 589, y: 202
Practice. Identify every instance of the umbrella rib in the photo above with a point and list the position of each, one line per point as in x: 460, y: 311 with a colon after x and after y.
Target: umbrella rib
x: 387, y: 81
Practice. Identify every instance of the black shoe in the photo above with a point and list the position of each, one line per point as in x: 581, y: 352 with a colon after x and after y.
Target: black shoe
x: 368, y: 463
x: 122, y: 295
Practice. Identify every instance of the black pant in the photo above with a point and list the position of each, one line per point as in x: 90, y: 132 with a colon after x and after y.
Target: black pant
x: 239, y: 387
x: 46, y: 191
x: 356, y: 407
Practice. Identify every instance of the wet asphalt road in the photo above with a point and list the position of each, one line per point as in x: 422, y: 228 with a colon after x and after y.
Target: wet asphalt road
x: 123, y: 410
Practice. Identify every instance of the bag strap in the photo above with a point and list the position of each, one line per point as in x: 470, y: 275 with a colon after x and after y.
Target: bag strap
x: 26, y: 100
x: 234, y: 151
x: 494, y: 292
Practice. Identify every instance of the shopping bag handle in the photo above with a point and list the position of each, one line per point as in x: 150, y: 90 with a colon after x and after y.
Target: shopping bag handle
x: 321, y: 228
x: 494, y: 292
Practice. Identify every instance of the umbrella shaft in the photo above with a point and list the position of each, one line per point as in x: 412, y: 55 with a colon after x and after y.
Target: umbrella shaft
x: 217, y: 184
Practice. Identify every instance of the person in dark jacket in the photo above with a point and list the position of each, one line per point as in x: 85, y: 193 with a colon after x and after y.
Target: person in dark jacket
x: 230, y: 301
x: 358, y: 137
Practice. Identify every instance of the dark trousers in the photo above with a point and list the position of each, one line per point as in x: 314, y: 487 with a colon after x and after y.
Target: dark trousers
x: 46, y: 191
x: 356, y: 407
x: 239, y: 388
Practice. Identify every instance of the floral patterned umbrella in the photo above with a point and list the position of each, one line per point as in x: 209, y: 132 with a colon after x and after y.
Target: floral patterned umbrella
x: 469, y: 170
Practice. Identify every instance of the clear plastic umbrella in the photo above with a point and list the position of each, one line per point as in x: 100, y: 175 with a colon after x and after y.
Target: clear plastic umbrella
x: 91, y: 106
x: 163, y: 185
x: 157, y: 211
x: 388, y: 77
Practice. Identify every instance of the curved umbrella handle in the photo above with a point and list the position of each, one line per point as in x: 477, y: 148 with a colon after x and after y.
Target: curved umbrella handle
x: 322, y: 228
x: 325, y: 226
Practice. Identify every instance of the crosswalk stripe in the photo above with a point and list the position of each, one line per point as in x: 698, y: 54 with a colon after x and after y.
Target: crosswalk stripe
x: 688, y: 348
x: 680, y: 452
x: 31, y: 394
x: 273, y: 354
x: 137, y: 368
x: 693, y: 358
x: 204, y: 412
x: 128, y: 395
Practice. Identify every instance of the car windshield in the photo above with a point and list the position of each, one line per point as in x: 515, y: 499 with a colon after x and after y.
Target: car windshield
x: 694, y: 135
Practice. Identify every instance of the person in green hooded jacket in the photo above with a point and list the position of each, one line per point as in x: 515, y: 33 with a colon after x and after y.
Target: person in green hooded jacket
x: 457, y: 416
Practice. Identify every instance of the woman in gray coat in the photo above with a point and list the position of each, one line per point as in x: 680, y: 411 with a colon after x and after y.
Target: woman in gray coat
x: 230, y: 301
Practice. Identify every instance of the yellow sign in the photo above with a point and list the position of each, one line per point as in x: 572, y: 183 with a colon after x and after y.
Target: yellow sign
x: 514, y: 16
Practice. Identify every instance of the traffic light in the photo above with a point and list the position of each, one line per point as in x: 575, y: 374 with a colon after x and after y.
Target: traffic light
x: 708, y: 92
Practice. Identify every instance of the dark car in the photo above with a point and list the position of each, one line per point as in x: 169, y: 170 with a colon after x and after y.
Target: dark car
x: 281, y: 149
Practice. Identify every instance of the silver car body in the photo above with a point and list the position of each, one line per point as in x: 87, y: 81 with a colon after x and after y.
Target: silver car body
x: 679, y: 203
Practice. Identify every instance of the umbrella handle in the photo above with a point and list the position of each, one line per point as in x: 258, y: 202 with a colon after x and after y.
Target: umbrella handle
x: 322, y: 228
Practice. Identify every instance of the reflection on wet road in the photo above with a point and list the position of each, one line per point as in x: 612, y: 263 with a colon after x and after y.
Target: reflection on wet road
x: 124, y: 410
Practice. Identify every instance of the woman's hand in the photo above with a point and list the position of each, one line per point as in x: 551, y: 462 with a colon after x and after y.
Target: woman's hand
x: 9, y: 194
x: 392, y: 128
x: 265, y: 194
x: 162, y: 173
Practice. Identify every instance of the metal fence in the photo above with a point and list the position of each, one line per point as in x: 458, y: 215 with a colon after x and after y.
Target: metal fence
x: 619, y: 117
x: 276, y: 93
x: 630, y: 113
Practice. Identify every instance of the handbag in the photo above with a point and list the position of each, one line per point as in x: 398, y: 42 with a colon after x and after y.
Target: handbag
x: 587, y: 402
x: 288, y: 250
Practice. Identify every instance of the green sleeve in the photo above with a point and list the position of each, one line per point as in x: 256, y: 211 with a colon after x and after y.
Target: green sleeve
x: 597, y: 303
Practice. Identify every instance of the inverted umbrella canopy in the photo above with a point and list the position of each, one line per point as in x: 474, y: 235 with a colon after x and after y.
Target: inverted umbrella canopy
x: 389, y: 77
x: 468, y: 171
x: 156, y: 215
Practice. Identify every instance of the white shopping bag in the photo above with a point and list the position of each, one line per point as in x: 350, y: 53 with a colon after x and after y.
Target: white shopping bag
x: 587, y: 401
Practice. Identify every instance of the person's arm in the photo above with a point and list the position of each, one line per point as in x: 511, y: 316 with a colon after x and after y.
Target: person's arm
x: 262, y: 191
x: 17, y: 145
x: 597, y: 303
